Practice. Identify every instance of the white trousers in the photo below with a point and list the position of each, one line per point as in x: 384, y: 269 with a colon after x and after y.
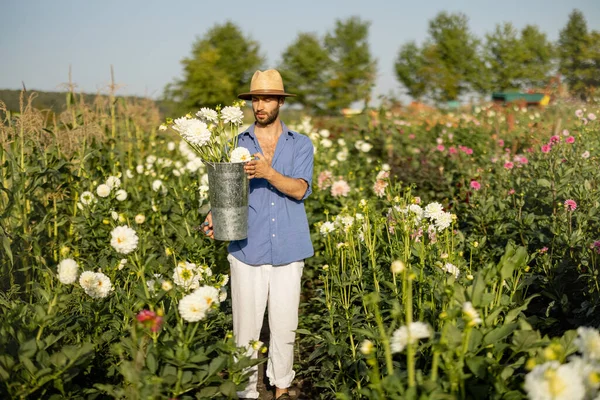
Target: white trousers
x: 252, y: 288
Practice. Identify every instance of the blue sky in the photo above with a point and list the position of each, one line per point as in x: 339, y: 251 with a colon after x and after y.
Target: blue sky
x: 146, y: 40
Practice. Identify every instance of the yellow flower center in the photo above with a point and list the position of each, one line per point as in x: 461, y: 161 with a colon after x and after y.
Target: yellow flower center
x: 186, y: 274
x: 556, y: 385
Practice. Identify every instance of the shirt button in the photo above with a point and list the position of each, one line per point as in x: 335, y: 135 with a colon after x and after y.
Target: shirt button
x: 272, y: 204
x: 273, y: 219
x: 273, y: 235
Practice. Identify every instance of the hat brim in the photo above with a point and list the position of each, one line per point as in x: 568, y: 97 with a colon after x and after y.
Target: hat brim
x: 248, y: 96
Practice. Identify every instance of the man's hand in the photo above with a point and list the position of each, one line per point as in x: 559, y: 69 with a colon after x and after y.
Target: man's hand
x: 258, y: 168
x: 207, y: 226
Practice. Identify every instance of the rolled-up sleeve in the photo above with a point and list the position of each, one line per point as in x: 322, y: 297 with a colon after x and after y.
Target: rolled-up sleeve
x: 303, y: 163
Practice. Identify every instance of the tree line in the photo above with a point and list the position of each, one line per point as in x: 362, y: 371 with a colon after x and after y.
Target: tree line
x: 333, y: 71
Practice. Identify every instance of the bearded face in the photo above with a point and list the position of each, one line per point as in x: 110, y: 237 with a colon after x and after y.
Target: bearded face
x: 266, y: 109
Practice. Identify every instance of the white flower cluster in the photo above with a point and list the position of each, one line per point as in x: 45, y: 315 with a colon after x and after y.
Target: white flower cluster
x: 470, y: 314
x: 577, y: 379
x: 159, y: 186
x: 326, y: 228
x: 192, y: 130
x: 124, y: 239
x: 158, y: 280
x: 95, y: 284
x: 411, y: 334
x: 363, y: 146
x: 305, y: 125
x: 196, y: 305
x: 345, y: 222
x: 451, y: 269
x: 189, y: 275
x: 103, y: 190
x: 194, y: 163
x: 433, y: 212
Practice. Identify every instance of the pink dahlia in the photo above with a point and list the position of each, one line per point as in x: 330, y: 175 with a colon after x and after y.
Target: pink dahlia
x: 570, y: 204
x: 340, y: 188
x: 475, y: 185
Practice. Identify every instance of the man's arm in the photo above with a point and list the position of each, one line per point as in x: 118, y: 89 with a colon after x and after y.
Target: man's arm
x: 293, y: 187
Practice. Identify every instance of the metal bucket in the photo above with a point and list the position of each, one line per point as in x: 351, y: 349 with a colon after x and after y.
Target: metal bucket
x: 228, y: 194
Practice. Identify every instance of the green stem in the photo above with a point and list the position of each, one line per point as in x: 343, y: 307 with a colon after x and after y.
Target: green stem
x: 384, y: 340
x: 410, y: 350
x: 465, y: 348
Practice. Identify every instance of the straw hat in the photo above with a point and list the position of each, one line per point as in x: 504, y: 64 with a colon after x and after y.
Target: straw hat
x: 265, y: 83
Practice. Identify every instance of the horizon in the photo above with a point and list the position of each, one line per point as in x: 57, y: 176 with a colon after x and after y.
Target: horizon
x: 145, y: 47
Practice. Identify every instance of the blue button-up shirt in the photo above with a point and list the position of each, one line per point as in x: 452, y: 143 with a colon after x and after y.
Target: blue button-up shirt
x: 277, y: 225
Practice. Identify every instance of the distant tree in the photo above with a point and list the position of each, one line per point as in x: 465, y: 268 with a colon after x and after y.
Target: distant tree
x: 576, y: 55
x: 353, y: 72
x: 410, y: 70
x: 505, y: 56
x: 539, y: 57
x: 593, y: 57
x: 452, y: 56
x: 219, y: 68
x: 306, y: 69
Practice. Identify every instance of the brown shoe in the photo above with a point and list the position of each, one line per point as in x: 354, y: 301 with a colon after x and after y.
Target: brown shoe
x: 285, y: 396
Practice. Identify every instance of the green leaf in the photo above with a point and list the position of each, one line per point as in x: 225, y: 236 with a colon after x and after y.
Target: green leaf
x: 228, y: 389
x: 568, y: 342
x: 28, y: 349
x: 6, y: 245
x: 198, y: 358
x: 507, y: 373
x: 477, y: 290
x: 514, y: 313
x: 151, y: 363
x: 215, y: 365
x: 544, y: 183
x: 477, y: 365
x: 498, y: 334
x: 209, y: 392
x: 58, y: 359
x: 303, y: 332
x: 169, y: 374
x: 525, y: 340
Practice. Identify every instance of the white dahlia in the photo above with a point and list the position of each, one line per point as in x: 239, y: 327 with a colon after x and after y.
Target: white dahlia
x: 406, y: 335
x: 233, y: 115
x: 240, y: 154
x: 100, y: 286
x: 192, y: 308
x: 86, y: 279
x: 207, y: 115
x: 193, y: 130
x: 67, y: 271
x: 124, y: 239
x: 588, y: 342
x: 113, y: 182
x: 185, y: 276
x: 553, y: 381
x: 87, y: 198
x: 103, y: 190
x: 121, y: 195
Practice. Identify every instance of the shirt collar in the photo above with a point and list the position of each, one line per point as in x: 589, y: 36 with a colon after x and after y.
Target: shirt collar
x: 285, y: 130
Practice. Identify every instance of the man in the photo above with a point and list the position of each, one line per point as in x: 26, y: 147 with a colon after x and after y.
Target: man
x: 267, y: 266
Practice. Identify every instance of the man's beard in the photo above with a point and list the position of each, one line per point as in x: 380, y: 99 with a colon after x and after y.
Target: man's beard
x: 271, y: 117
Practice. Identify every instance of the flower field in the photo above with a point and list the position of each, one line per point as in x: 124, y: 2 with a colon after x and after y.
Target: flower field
x: 456, y: 256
